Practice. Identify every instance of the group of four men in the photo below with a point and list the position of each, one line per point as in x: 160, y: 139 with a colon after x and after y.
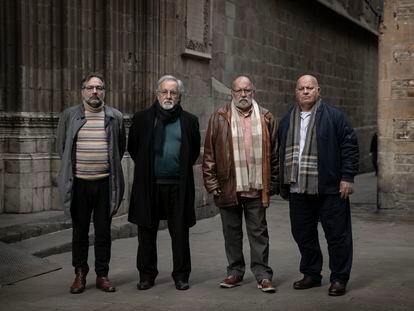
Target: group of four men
x: 310, y: 158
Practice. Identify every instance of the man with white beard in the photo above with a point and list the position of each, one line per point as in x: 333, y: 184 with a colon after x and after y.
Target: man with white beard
x: 240, y: 169
x: 164, y: 143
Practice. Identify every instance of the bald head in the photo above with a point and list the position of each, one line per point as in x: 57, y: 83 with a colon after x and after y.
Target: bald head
x: 307, y: 92
x: 307, y: 78
x: 241, y: 79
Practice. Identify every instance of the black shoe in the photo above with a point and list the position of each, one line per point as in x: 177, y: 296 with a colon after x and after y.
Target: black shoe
x: 306, y: 282
x: 182, y: 285
x: 337, y: 288
x: 145, y: 284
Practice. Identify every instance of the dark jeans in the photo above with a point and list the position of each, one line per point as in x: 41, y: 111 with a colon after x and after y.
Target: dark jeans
x: 167, y: 203
x: 88, y: 197
x: 335, y: 216
x: 256, y: 227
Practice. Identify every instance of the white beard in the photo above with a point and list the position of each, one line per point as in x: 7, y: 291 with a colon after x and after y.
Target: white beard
x: 167, y: 104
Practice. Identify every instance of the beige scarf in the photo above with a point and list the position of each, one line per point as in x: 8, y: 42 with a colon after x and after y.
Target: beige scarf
x: 248, y: 177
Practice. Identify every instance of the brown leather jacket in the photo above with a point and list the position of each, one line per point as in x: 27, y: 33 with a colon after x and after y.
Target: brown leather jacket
x: 218, y: 162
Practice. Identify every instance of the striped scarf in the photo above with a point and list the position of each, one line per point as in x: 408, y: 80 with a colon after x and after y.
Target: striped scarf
x: 308, y: 179
x: 248, y: 177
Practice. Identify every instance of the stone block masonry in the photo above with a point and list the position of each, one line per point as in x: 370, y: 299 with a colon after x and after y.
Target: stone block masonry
x: 51, y: 45
x: 396, y: 107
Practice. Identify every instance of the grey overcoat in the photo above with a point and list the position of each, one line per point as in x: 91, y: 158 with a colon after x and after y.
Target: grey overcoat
x: 70, y: 122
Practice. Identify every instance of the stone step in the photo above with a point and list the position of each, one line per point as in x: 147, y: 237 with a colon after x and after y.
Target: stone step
x: 61, y: 241
x: 18, y: 227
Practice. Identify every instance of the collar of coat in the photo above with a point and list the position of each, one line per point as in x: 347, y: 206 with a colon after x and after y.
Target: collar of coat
x: 225, y: 112
x: 80, y: 112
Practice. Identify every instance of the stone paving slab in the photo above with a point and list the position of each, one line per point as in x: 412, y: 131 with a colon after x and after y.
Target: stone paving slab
x: 382, y: 278
x: 17, y: 265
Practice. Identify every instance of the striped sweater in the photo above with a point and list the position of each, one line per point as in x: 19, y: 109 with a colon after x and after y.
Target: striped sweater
x: 92, y: 161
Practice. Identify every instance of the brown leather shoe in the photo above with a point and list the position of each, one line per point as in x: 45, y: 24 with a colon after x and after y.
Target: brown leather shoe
x: 79, y: 283
x: 103, y: 283
x: 266, y: 286
x: 231, y: 281
x: 306, y: 282
x: 337, y: 288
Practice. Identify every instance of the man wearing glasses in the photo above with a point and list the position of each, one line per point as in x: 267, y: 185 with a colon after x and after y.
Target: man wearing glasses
x: 240, y: 169
x: 164, y: 143
x: 91, y: 142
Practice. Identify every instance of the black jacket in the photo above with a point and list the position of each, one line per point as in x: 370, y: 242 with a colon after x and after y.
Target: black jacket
x: 338, y: 151
x: 140, y: 147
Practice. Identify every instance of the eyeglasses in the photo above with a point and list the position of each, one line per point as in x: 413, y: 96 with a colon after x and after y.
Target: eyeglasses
x: 92, y: 87
x: 246, y: 91
x: 166, y: 93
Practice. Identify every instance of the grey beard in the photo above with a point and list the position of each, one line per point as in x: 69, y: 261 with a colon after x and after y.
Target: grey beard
x: 96, y: 106
x: 95, y: 103
x: 243, y: 104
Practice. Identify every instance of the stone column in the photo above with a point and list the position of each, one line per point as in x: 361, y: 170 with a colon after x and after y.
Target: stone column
x: 48, y: 47
x: 29, y: 90
x: 396, y: 107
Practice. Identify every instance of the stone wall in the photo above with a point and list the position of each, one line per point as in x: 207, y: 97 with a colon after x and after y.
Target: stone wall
x: 50, y: 45
x: 28, y: 168
x: 275, y: 42
x: 396, y: 107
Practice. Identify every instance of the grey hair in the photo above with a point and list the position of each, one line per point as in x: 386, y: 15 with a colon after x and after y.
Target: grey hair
x: 181, y: 88
x: 180, y: 84
x: 168, y: 78
x: 246, y: 77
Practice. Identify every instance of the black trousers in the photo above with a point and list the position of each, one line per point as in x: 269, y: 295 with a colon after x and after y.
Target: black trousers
x: 88, y: 197
x: 335, y: 216
x: 167, y: 204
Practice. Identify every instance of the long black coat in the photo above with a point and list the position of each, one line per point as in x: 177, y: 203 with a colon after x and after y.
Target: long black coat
x: 140, y: 147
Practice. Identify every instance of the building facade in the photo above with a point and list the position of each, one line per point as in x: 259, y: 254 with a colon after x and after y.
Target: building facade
x: 396, y: 108
x: 47, y: 46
